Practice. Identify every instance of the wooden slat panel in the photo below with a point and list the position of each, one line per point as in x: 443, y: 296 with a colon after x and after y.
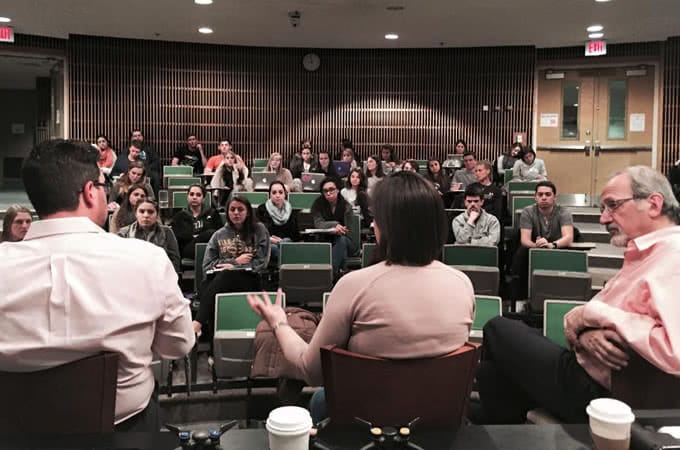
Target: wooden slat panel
x: 420, y: 101
x: 670, y: 145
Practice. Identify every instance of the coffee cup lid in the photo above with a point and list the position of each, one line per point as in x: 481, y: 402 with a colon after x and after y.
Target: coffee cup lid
x: 289, y: 419
x: 610, y: 410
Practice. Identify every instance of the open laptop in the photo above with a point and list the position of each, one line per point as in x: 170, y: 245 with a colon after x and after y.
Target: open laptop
x: 262, y: 180
x: 342, y: 168
x: 312, y: 181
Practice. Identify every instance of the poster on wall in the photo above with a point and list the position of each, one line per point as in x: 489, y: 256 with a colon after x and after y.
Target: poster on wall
x: 550, y: 120
x: 637, y: 122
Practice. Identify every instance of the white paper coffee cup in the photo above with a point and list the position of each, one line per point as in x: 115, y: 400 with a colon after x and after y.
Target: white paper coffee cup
x: 288, y: 428
x: 610, y: 422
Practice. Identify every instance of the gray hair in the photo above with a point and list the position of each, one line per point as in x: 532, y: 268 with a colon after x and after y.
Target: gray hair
x: 645, y: 181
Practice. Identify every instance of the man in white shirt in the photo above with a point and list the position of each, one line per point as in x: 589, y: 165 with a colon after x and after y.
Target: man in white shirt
x: 71, y: 290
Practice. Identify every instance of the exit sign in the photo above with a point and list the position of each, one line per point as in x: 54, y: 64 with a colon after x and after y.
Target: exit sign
x: 596, y: 48
x: 6, y: 34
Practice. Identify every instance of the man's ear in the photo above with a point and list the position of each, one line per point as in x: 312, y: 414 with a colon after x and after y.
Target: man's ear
x: 88, y: 194
x: 655, y: 204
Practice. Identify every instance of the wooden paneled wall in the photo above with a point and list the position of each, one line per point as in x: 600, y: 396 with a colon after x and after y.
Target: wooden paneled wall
x: 263, y: 100
x: 670, y: 146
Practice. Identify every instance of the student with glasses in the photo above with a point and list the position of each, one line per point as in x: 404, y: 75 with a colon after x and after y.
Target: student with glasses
x: 331, y: 211
x: 67, y: 259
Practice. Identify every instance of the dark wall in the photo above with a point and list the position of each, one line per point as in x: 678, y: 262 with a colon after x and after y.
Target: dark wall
x: 262, y: 98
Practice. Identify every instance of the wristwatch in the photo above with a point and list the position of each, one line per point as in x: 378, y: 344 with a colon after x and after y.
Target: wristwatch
x: 554, y: 243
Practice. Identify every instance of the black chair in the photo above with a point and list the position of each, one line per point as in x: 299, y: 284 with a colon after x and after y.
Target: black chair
x: 78, y: 397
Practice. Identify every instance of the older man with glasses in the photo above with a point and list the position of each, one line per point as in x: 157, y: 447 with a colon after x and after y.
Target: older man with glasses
x: 637, y: 311
x: 57, y: 301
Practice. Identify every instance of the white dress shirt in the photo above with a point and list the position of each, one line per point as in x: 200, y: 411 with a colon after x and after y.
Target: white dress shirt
x: 70, y: 290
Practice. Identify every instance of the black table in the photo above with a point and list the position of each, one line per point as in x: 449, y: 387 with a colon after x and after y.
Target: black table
x: 510, y: 437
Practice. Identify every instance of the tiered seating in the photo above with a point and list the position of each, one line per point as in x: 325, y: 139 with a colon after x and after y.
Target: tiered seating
x: 558, y: 274
x: 479, y: 263
x: 305, y: 270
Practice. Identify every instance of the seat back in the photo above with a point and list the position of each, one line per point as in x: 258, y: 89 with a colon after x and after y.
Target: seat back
x: 305, y: 253
x: 255, y: 198
x: 180, y: 200
x: 558, y: 260
x: 394, y: 392
x: 183, y: 182
x: 77, y: 397
x: 507, y: 176
x: 553, y: 319
x: 470, y: 255
x: 182, y: 171
x: 524, y: 186
x: 355, y: 234
x: 661, y: 389
x: 302, y: 200
x: 366, y: 254
x: 235, y: 324
x: 518, y: 203
x: 486, y: 308
x: 260, y: 163
x: 199, y: 276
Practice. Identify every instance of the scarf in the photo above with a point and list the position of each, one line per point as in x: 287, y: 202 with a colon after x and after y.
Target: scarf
x: 279, y: 216
x: 154, y: 235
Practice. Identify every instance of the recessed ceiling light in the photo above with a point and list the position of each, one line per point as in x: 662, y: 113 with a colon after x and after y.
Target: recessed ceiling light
x: 596, y: 35
x: 391, y: 36
x: 602, y: 1
x: 205, y: 30
x: 5, y: 19
x: 203, y: 2
x: 594, y: 28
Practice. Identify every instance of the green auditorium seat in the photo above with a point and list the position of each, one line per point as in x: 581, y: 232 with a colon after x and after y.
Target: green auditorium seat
x: 558, y: 274
x: 553, y: 319
x: 180, y: 201
x: 175, y: 183
x: 305, y: 271
x: 302, y: 200
x: 366, y: 254
x: 255, y: 198
x: 486, y: 308
x: 478, y: 262
x: 170, y: 171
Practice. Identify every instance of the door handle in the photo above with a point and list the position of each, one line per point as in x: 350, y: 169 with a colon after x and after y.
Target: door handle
x: 597, y: 150
x: 586, y: 150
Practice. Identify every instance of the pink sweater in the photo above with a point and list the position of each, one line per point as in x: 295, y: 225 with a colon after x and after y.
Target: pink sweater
x: 396, y: 312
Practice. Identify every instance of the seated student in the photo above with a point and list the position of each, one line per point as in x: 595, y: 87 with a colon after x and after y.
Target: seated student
x: 135, y: 174
x: 231, y: 176
x: 282, y: 174
x: 476, y: 226
x: 507, y: 161
x: 147, y: 227
x: 278, y: 216
x: 16, y: 223
x: 348, y: 156
x: 107, y: 156
x: 437, y: 177
x: 637, y: 312
x: 355, y: 194
x: 324, y: 165
x: 190, y: 154
x: 529, y: 168
x: 196, y: 223
x: 492, y: 194
x: 465, y: 176
x: 213, y: 163
x: 125, y: 215
x: 239, y: 251
x: 388, y: 157
x: 543, y: 225
x: 380, y: 310
x: 374, y: 173
x: 330, y: 210
x: 123, y: 162
x: 304, y: 162
x: 410, y: 165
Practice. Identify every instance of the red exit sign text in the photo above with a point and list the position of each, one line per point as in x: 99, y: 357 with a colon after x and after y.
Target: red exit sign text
x: 6, y: 34
x: 596, y: 48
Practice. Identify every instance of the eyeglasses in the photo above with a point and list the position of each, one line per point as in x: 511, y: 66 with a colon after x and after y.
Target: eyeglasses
x: 106, y: 185
x: 329, y: 190
x: 612, y: 205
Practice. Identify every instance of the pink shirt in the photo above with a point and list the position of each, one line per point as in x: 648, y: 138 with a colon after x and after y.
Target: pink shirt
x: 641, y: 303
x: 71, y: 290
x: 395, y: 312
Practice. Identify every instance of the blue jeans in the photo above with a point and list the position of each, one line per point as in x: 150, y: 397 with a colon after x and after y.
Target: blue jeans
x: 276, y: 251
x: 341, y: 249
x: 317, y: 406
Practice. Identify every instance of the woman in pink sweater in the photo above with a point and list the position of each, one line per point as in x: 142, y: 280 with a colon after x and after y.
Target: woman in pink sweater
x: 407, y: 305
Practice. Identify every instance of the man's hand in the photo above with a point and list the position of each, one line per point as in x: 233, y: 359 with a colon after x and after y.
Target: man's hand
x: 340, y: 230
x: 542, y: 242
x: 473, y: 215
x: 274, y: 239
x: 607, y: 346
x: 573, y: 325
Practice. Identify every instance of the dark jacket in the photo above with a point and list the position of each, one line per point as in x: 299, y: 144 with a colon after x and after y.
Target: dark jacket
x: 288, y: 230
x: 186, y: 227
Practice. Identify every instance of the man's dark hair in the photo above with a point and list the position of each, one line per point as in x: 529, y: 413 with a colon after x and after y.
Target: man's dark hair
x: 248, y: 228
x: 411, y: 218
x: 56, y: 171
x: 188, y: 135
x: 469, y: 153
x: 137, y: 144
x: 474, y: 190
x: 546, y: 183
x: 133, y: 132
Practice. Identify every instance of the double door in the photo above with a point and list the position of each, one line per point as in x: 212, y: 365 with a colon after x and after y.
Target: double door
x: 592, y: 123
